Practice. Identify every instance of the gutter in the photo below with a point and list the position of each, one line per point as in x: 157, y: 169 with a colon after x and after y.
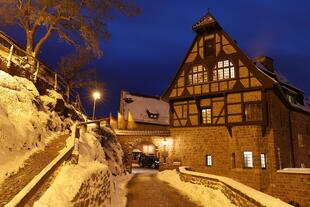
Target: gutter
x: 291, y: 139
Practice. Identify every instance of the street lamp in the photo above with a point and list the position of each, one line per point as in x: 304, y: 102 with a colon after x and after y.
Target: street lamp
x: 165, y: 143
x: 96, y: 95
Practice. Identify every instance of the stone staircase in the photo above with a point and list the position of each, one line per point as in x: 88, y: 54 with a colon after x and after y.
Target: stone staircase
x: 12, y: 185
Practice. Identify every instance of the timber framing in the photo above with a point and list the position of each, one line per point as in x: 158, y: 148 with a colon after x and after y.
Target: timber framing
x: 192, y: 91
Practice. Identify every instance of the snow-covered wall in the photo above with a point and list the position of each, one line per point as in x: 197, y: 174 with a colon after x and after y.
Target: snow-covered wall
x: 26, y: 124
x: 90, y: 182
x: 238, y: 193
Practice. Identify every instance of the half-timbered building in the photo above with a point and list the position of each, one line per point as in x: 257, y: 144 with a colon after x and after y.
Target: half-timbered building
x: 235, y: 116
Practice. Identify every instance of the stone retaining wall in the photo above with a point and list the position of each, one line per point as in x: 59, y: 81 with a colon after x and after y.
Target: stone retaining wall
x: 94, y: 191
x: 235, y: 195
x: 291, y: 187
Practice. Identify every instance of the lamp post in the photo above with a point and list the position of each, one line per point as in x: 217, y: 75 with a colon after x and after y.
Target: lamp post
x: 165, y: 153
x: 96, y: 95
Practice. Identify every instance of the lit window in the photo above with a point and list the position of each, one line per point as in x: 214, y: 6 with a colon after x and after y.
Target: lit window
x: 152, y: 115
x: 248, y: 159
x: 208, y: 160
x: 224, y: 70
x: 263, y: 161
x: 197, y: 75
x: 291, y: 98
x: 206, y: 115
x: 253, y: 112
x: 300, y: 140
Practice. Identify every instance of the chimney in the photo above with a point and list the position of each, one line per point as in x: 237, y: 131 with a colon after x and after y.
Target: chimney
x: 266, y: 61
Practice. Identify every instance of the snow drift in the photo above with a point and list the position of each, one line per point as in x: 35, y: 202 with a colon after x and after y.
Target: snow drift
x: 26, y: 125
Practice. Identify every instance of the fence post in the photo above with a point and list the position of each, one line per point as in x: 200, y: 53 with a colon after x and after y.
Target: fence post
x: 78, y: 102
x: 8, y: 65
x: 37, y: 71
x: 75, y: 138
x: 56, y: 82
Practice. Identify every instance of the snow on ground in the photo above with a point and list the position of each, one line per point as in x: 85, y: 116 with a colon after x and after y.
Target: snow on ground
x: 260, y: 197
x: 199, y: 194
x: 93, y: 157
x: 24, y: 123
x: 119, y: 196
x: 67, y: 183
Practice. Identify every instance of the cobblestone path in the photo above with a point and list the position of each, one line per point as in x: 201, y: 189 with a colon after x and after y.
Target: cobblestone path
x: 32, y: 166
x: 145, y: 190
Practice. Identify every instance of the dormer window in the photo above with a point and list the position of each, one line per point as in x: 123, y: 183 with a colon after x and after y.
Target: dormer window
x: 197, y: 75
x: 152, y: 115
x: 224, y: 70
x: 128, y: 100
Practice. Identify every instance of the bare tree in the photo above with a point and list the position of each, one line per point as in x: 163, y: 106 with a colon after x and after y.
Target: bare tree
x: 76, y: 73
x: 78, y: 22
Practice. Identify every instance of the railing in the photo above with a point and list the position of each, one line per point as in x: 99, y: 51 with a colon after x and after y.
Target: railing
x: 71, y: 151
x: 34, y: 185
x: 32, y: 68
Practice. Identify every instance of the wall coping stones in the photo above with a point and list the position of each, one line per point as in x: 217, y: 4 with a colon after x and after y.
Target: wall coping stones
x: 295, y: 170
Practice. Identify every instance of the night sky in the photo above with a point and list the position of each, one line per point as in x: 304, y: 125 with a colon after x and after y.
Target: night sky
x: 144, y: 52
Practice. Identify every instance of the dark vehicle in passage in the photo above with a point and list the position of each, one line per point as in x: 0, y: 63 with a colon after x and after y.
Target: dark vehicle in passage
x: 149, y: 161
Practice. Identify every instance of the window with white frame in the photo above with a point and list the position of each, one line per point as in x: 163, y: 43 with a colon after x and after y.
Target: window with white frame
x: 263, y: 160
x: 224, y: 69
x: 197, y: 75
x: 208, y: 160
x: 248, y: 159
x: 206, y: 116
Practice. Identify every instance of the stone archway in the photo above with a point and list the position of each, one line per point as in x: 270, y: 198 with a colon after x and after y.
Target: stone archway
x: 132, y: 145
x: 145, y: 154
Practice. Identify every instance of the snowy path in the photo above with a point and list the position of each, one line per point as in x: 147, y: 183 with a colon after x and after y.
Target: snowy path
x: 145, y: 190
x: 32, y: 166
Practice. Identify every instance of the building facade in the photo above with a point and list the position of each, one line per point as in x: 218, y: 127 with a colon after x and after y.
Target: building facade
x: 238, y: 117
x: 142, y: 125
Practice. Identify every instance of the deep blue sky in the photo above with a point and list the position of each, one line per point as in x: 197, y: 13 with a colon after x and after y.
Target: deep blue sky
x: 145, y: 51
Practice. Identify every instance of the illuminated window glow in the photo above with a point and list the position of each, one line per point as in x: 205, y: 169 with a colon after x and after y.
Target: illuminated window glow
x: 224, y: 70
x: 248, y: 159
x: 206, y: 115
x: 208, y: 160
x: 263, y: 161
x: 197, y: 75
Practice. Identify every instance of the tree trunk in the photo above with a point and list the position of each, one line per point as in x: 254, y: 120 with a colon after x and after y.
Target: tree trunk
x: 30, y: 53
x: 67, y: 94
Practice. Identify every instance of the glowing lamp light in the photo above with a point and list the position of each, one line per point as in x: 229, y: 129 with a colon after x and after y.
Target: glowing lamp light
x: 96, y: 95
x: 165, y: 142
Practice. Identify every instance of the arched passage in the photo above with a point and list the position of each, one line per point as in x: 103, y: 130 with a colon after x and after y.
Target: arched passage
x: 145, y: 154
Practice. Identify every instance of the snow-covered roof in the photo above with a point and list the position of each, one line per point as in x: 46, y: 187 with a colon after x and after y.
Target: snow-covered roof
x: 145, y: 109
x: 276, y: 75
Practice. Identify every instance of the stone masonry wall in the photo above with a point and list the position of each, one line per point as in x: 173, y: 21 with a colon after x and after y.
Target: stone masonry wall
x: 235, y: 196
x: 291, y: 187
x: 94, y: 191
x: 191, y: 145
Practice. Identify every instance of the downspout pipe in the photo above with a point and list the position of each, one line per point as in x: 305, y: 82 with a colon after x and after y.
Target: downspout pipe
x: 291, y: 139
